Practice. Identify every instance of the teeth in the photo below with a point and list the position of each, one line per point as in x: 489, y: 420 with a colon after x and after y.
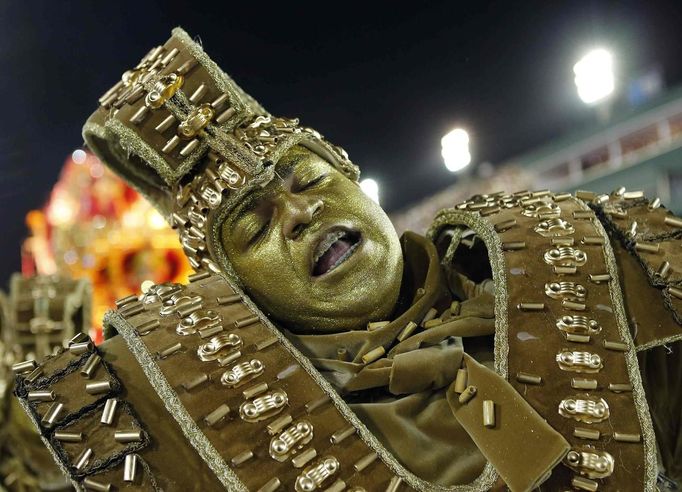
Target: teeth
x: 343, y: 258
x: 326, y: 243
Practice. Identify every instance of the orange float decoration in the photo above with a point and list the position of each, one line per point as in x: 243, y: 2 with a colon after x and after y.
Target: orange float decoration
x: 95, y: 226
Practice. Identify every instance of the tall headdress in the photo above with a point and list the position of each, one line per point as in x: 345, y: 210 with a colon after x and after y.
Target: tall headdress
x: 194, y: 143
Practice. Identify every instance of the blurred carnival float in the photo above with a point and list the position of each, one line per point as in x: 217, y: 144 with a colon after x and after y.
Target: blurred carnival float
x: 96, y: 227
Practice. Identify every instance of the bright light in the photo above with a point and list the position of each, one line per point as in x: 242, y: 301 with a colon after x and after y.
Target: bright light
x: 78, y: 156
x: 156, y: 220
x: 371, y: 188
x: 594, y: 76
x: 455, y: 150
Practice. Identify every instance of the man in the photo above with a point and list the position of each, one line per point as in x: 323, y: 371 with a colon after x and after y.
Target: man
x: 313, y: 351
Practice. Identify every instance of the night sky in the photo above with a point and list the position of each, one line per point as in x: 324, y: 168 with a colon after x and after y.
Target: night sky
x: 383, y: 81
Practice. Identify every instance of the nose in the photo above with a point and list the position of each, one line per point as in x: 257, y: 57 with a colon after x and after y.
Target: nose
x: 298, y: 211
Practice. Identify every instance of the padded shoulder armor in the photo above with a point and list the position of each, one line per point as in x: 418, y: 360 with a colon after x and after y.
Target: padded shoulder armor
x: 562, y: 336
x: 254, y: 409
x: 651, y: 235
x: 95, y: 436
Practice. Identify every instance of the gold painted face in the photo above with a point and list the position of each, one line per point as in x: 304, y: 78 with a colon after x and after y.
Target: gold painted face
x: 313, y: 251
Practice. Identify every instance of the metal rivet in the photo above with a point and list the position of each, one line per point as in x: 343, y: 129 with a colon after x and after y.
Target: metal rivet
x: 139, y: 115
x: 649, y: 248
x: 82, y: 459
x: 526, y: 378
x: 271, y: 486
x: 622, y: 437
x: 430, y: 314
x: 304, y: 458
x: 255, y: 390
x: 170, y: 350
x: 407, y: 331
x: 583, y: 433
x: 593, y: 240
x: 147, y: 327
x: 620, y: 387
x: 394, y: 484
x: 223, y: 300
x: 127, y: 436
x: 565, y: 270
x: 655, y: 203
x: 675, y: 292
x: 171, y: 144
x: 244, y: 322
x: 80, y: 348
x: 68, y: 436
x: 25, y: 366
x: 488, y: 413
x: 194, y: 382
x: 374, y: 354
x: 80, y: 337
x: 165, y: 124
x: 241, y: 458
x: 52, y: 414
x: 217, y: 415
x: 97, y: 387
x: 198, y: 94
x: 582, y: 214
x: 563, y: 241
x: 279, y: 424
x: 122, y: 302
x: 266, y: 343
x: 219, y: 101
x: 584, y: 384
x: 41, y: 395
x: 129, y: 468
x: 225, y: 115
x: 560, y: 197
x: 504, y: 225
x: 531, y: 306
x: 618, y: 346
x: 582, y: 483
x: 467, y: 394
x: 376, y: 325
x: 631, y: 195
x: 91, y: 484
x: 663, y: 270
x: 339, y: 436
x: 513, y: 245
x: 599, y: 277
x: 365, y: 461
x: 131, y: 309
x: 229, y: 358
x: 673, y: 221
x: 90, y: 365
x: 461, y: 380
x: 574, y: 337
x: 585, y: 195
x: 169, y: 56
x: 574, y: 306
x: 109, y: 411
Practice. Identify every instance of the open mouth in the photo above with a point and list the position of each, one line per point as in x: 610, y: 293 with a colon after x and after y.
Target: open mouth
x: 334, y: 248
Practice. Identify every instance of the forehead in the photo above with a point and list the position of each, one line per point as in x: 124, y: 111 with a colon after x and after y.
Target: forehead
x: 297, y: 158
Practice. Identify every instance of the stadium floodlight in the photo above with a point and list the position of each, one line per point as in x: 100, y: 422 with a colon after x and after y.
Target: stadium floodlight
x: 594, y: 76
x: 371, y: 188
x: 455, y: 150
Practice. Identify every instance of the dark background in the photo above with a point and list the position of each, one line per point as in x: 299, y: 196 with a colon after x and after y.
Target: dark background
x: 384, y: 81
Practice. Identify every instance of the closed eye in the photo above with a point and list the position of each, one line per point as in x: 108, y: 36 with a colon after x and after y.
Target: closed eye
x: 313, y: 182
x: 260, y: 233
